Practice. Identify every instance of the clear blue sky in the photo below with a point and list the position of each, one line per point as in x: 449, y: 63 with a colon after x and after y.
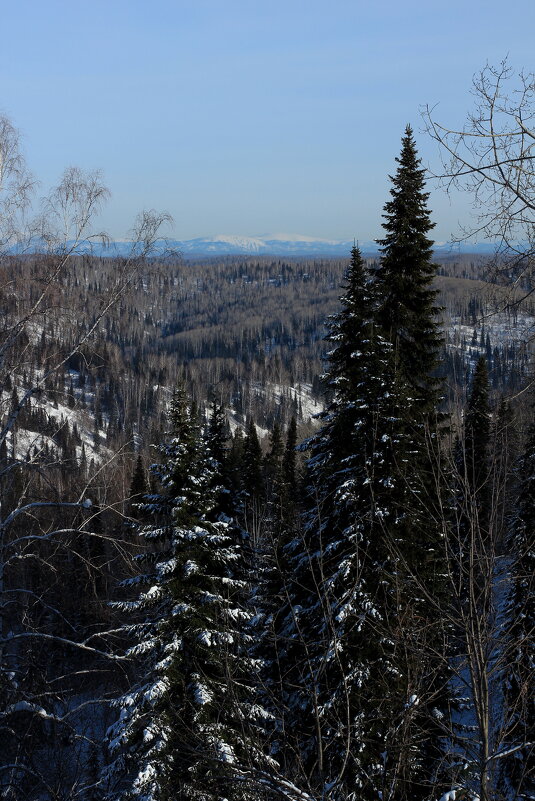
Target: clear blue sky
x: 247, y: 117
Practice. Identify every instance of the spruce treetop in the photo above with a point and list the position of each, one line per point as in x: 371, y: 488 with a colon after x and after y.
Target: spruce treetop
x: 217, y: 433
x: 407, y: 216
x: 350, y: 330
x: 407, y: 310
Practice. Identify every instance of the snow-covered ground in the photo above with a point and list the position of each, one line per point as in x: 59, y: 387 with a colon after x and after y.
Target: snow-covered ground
x: 301, y: 395
x: 502, y: 329
x: 61, y: 415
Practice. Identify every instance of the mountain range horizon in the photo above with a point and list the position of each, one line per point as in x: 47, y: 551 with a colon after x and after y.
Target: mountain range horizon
x: 278, y: 245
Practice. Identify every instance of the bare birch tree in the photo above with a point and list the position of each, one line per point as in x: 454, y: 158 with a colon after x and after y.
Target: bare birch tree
x: 493, y: 157
x: 47, y: 535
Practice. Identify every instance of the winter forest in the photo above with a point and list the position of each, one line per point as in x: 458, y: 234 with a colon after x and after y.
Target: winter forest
x: 267, y: 526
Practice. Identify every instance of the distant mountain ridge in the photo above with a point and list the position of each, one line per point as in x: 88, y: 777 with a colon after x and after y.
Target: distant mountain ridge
x: 236, y: 245
x: 268, y: 244
x: 277, y: 245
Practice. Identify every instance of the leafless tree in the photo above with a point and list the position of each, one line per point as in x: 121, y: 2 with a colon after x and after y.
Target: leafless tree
x: 16, y: 186
x: 493, y: 157
x: 476, y: 612
x: 47, y: 536
x: 462, y: 649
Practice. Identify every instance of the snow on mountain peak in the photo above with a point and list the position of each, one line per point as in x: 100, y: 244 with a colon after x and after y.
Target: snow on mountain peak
x: 297, y: 238
x: 246, y: 242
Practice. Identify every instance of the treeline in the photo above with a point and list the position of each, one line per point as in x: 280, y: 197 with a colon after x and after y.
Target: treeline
x: 245, y: 329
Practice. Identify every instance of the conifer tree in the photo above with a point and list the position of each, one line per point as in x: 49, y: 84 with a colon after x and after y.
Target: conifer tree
x: 341, y: 661
x: 476, y: 534
x: 289, y: 464
x: 407, y: 317
x: 216, y: 442
x: 217, y: 434
x: 407, y: 312
x: 372, y: 545
x: 270, y: 590
x: 416, y: 569
x: 138, y: 486
x: 477, y: 431
x: 253, y: 481
x: 182, y: 728
x: 273, y: 463
x: 234, y: 460
x: 253, y: 489
x: 274, y: 524
x: 505, y: 454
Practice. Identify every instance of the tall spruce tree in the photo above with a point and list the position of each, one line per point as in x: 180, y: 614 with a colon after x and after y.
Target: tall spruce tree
x: 407, y: 312
x: 271, y: 590
x: 183, y: 726
x: 253, y: 480
x: 477, y: 425
x: 289, y: 468
x: 416, y: 566
x: 504, y: 454
x: 216, y: 436
x: 335, y: 655
x: 138, y: 486
x: 476, y: 533
x: 408, y: 319
x: 234, y: 460
x: 361, y: 623
x: 217, y: 433
x: 253, y: 489
x: 273, y: 461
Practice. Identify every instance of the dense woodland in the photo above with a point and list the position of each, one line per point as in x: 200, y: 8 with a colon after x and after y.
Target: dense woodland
x: 245, y: 330
x: 207, y: 591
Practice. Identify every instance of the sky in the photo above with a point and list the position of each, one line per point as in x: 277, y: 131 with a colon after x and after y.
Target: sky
x: 247, y: 117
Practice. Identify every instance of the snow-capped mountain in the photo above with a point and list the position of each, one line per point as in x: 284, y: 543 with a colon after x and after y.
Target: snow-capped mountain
x: 272, y: 244
x: 299, y: 245
x: 266, y: 244
x: 229, y: 244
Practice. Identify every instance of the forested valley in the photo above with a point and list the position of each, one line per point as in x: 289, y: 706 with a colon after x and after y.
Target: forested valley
x: 267, y: 525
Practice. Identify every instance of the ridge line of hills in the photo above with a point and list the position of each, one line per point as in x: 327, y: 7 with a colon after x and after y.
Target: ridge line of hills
x: 275, y: 245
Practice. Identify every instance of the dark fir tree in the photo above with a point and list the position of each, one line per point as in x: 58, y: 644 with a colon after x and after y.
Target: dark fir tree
x: 138, y: 485
x: 340, y: 669
x: 216, y: 436
x: 373, y: 552
x: 234, y: 460
x: 253, y: 480
x: 476, y: 522
x: 253, y: 490
x: 477, y: 429
x: 270, y: 589
x: 217, y: 433
x: 274, y: 516
x: 408, y: 318
x: 407, y: 312
x: 273, y: 465
x: 504, y: 453
x: 182, y: 729
x: 289, y: 464
x: 474, y: 528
